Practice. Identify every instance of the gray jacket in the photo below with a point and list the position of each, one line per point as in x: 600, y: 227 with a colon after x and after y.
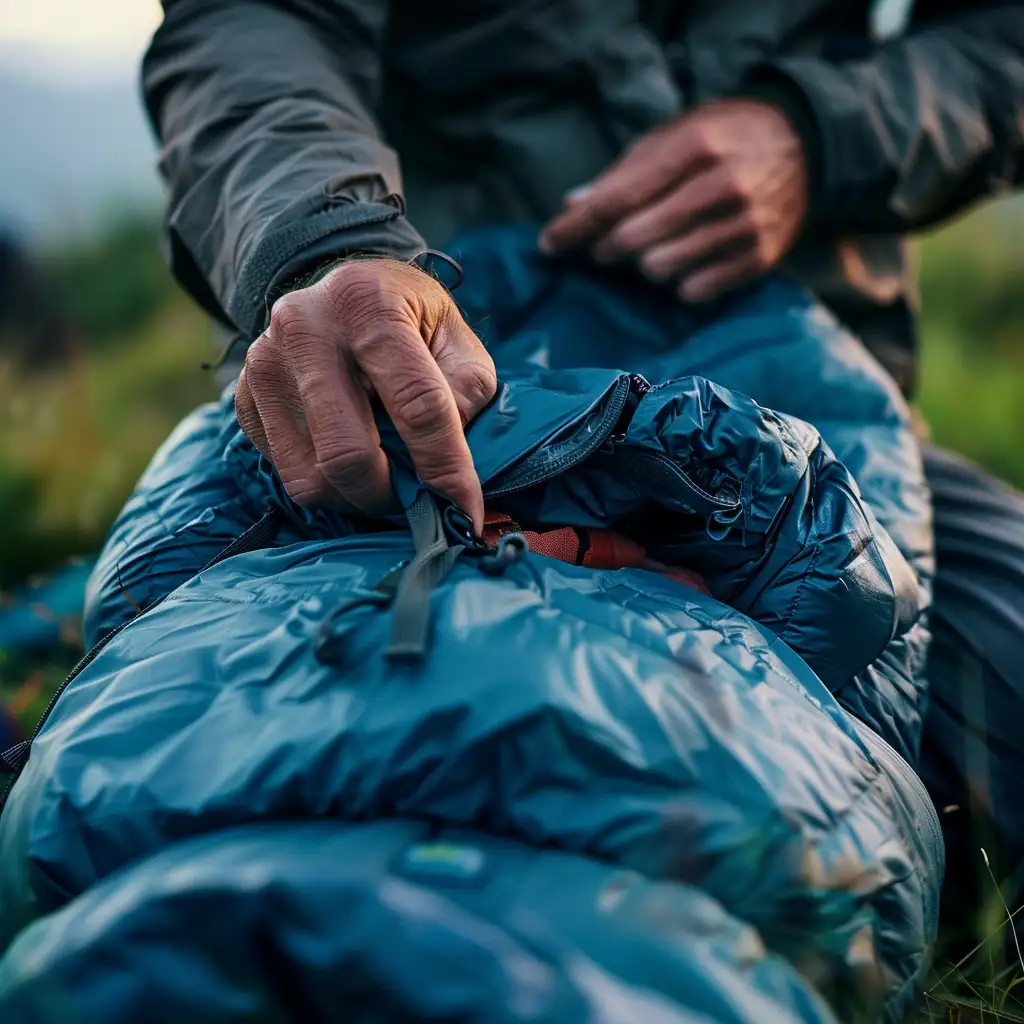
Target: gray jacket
x: 298, y: 130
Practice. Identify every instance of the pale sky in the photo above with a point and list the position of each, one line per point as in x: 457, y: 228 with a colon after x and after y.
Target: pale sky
x: 90, y: 30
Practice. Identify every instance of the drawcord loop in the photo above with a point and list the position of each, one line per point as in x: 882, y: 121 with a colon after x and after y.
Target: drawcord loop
x: 425, y: 261
x: 379, y: 597
x: 439, y: 538
x: 510, y: 549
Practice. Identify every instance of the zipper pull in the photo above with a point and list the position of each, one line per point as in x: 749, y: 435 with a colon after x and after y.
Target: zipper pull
x: 638, y: 387
x: 459, y: 528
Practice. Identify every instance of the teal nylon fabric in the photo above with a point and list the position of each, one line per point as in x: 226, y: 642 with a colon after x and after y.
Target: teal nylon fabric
x: 600, y: 795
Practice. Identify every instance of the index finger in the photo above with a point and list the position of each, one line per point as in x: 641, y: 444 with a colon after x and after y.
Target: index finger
x: 420, y: 402
x: 653, y: 165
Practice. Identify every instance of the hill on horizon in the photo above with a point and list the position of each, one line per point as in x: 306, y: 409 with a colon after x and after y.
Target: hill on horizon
x: 77, y: 148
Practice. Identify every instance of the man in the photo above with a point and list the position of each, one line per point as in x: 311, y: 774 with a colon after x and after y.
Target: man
x: 703, y: 142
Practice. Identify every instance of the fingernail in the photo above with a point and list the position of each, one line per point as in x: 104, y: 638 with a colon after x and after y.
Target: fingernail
x: 574, y: 195
x: 544, y: 245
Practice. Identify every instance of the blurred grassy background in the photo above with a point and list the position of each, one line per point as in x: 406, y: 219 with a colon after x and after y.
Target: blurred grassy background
x: 75, y: 435
x: 972, y: 385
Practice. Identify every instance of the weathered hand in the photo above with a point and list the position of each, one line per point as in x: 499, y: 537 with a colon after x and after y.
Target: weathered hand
x: 370, y: 328
x: 711, y: 200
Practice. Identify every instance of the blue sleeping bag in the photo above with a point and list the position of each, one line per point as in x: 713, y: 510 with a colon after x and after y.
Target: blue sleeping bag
x: 349, y: 770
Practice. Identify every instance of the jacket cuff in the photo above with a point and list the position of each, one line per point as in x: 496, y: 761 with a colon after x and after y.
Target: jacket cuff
x: 284, y: 255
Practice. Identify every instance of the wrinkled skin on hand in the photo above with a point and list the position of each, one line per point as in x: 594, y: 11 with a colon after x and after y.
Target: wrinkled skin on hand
x: 709, y: 201
x: 374, y: 329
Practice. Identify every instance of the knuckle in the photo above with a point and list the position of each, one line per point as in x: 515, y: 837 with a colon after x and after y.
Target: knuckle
x: 289, y: 313
x: 295, y: 333
x: 705, y: 143
x: 361, y: 291
x: 358, y: 305
x: 346, y: 464
x: 355, y: 277
x: 352, y: 291
x: 422, y: 405
x: 653, y: 262
x: 476, y: 383
x: 353, y: 273
x: 473, y: 388
x: 612, y: 202
x: 732, y: 190
x: 262, y: 366
x: 602, y: 206
x: 305, y: 491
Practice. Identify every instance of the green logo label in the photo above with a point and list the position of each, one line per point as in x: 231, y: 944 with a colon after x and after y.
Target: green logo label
x: 449, y: 861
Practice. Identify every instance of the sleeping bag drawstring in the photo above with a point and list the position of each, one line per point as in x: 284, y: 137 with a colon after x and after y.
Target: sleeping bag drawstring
x: 439, y: 539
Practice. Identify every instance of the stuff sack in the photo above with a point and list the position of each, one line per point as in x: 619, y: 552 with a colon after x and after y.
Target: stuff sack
x: 398, y: 671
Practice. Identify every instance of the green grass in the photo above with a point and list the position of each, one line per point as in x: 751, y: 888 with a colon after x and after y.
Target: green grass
x: 974, y: 404
x: 985, y: 984
x: 972, y: 329
x: 73, y: 442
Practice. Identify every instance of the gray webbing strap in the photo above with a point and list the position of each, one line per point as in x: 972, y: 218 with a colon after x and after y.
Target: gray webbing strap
x: 435, y: 556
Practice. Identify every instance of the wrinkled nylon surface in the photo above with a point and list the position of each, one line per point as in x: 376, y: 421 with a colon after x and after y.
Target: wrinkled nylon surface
x: 482, y: 950
x: 614, y: 715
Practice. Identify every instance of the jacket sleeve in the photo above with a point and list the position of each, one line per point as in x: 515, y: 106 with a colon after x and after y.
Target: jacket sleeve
x: 918, y: 129
x: 271, y: 153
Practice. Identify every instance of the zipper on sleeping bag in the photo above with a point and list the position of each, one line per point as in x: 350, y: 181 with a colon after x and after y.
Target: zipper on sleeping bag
x: 557, y: 458
x: 646, y: 468
x: 12, y: 761
x: 609, y: 432
x: 638, y: 387
x: 702, y: 501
